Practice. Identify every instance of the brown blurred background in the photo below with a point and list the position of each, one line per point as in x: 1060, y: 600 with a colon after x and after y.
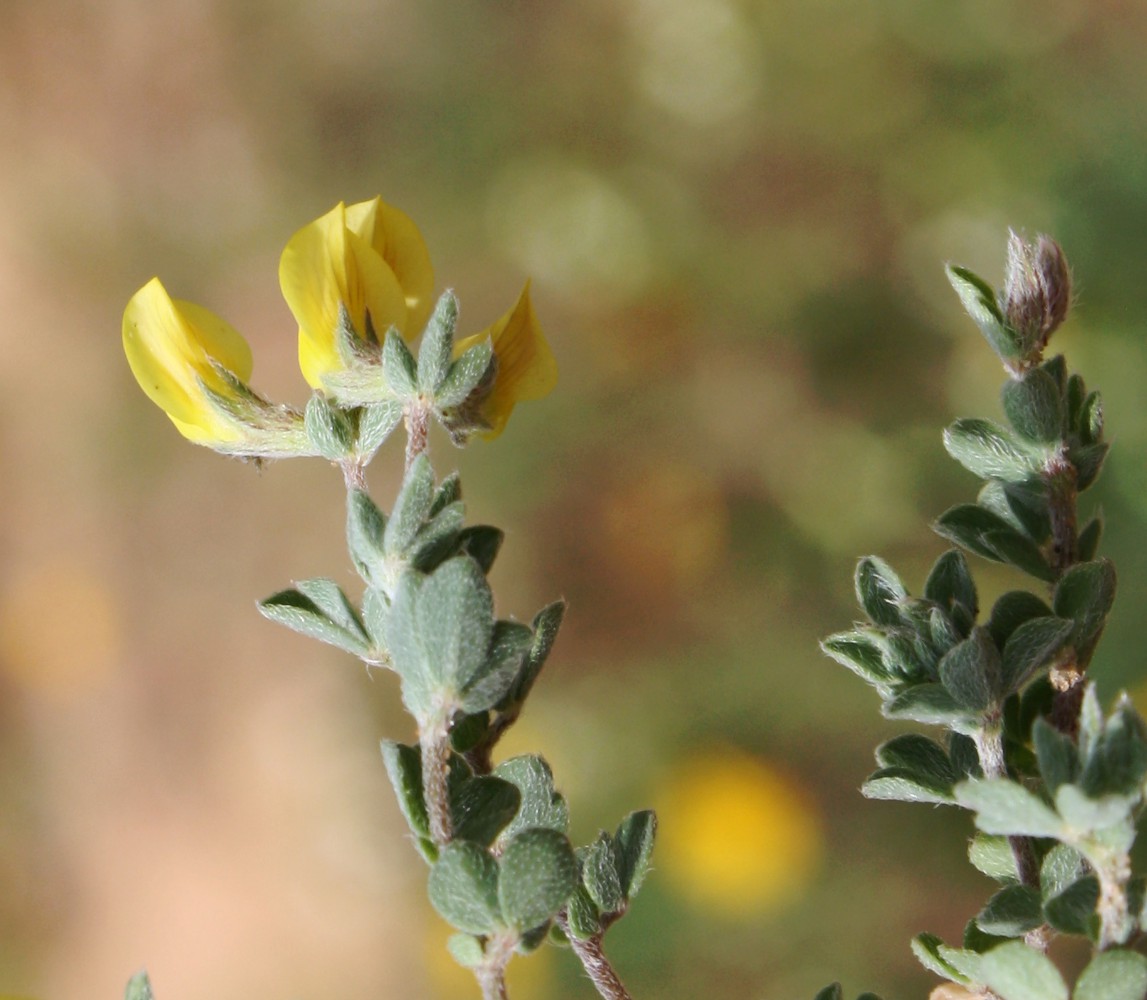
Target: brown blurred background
x: 735, y: 214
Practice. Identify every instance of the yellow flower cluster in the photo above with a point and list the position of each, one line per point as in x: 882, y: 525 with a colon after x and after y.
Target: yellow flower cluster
x: 349, y: 278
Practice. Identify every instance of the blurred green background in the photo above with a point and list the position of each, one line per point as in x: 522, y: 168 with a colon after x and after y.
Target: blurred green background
x: 735, y: 214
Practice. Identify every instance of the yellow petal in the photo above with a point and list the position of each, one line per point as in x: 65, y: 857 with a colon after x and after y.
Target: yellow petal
x: 326, y: 265
x: 395, y: 237
x: 170, y: 346
x: 526, y: 366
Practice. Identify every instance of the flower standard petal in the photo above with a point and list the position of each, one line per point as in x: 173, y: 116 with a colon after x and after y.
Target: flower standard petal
x: 395, y: 237
x: 526, y: 366
x: 172, y: 348
x: 327, y: 268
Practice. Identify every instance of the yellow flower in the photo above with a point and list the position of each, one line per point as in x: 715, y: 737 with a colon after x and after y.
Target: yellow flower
x: 175, y: 350
x: 737, y: 836
x: 525, y: 367
x: 366, y: 262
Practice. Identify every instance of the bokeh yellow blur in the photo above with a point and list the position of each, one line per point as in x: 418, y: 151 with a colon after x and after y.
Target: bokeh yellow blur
x: 734, y: 214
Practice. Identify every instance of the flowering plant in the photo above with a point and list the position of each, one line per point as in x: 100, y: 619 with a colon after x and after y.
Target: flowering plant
x: 359, y: 282
x: 1055, y: 784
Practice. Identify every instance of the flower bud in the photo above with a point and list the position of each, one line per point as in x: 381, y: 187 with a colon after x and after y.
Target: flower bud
x: 1037, y: 291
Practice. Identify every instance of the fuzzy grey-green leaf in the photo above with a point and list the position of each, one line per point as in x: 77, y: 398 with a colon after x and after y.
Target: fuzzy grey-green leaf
x: 1005, y: 807
x: 1034, y: 406
x: 989, y: 451
x: 1016, y: 972
x: 464, y: 375
x: 971, y: 671
x: 1032, y: 646
x: 437, y: 344
x: 879, y: 591
x: 1011, y: 912
x: 399, y: 366
x: 1118, y: 974
x: 298, y: 612
x: 634, y: 840
x: 463, y: 887
x: 538, y: 873
x: 411, y: 506
x: 600, y: 874
x: 541, y: 805
x: 139, y: 987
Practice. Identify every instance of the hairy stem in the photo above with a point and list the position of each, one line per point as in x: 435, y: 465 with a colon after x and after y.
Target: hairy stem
x: 491, y: 974
x: 434, y: 740
x: 603, y: 976
x: 417, y: 432
x: 990, y: 748
x: 1062, y: 497
x: 354, y: 475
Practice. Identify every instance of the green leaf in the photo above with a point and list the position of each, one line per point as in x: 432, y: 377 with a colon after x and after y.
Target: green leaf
x: 481, y: 542
x: 1005, y: 807
x: 437, y: 345
x: 463, y: 887
x: 139, y: 987
x: 299, y: 612
x: 1011, y: 611
x: 545, y: 632
x: 465, y: 950
x: 538, y: 874
x: 1072, y: 909
x: 332, y: 430
x: 541, y: 806
x: 979, y: 301
x: 332, y: 602
x: 582, y: 913
x: 931, y: 703
x: 1055, y: 751
x: 1091, y: 419
x: 509, y: 646
x: 1061, y: 867
x: 950, y: 585
x: 1011, y: 912
x: 1033, y: 404
x: 437, y: 539
x: 936, y: 957
x: 404, y: 769
x: 1031, y: 647
x: 375, y: 615
x: 1023, y: 505
x: 1085, y: 814
x: 600, y: 875
x: 1117, y: 760
x: 365, y: 525
x: 1117, y: 974
x: 913, y: 769
x: 439, y: 631
x: 1085, y: 593
x: 634, y: 842
x: 993, y: 856
x: 988, y: 535
x: 991, y: 452
x: 1088, y: 461
x: 411, y: 507
x: 398, y: 366
x: 971, y: 672
x: 860, y: 653
x: 482, y: 807
x: 832, y: 992
x: 1088, y: 542
x: 879, y: 591
x: 1017, y: 972
x: 464, y: 376
x: 376, y: 422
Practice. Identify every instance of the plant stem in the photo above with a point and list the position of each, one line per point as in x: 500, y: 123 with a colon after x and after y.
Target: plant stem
x: 434, y: 740
x: 491, y: 974
x: 990, y: 748
x: 417, y: 419
x: 596, y: 965
x: 354, y: 475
